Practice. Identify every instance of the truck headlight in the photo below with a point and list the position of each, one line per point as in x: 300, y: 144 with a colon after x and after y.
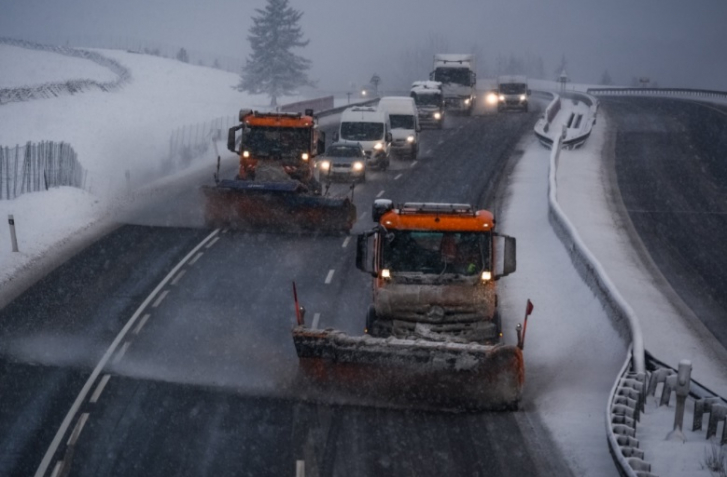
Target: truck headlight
x: 437, y: 115
x: 245, y: 153
x: 491, y: 98
x: 358, y: 166
x: 410, y: 139
x: 486, y: 276
x: 324, y: 165
x: 305, y: 156
x: 467, y: 101
x: 522, y: 97
x: 378, y: 146
x: 502, y: 97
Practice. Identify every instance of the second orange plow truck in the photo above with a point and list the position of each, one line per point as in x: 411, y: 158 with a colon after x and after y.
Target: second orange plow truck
x: 433, y: 334
x: 275, y: 188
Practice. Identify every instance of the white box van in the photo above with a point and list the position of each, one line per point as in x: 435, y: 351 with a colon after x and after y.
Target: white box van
x: 404, y: 124
x: 369, y: 127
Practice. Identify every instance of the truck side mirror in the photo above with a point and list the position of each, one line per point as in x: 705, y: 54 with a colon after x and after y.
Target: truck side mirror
x: 231, y: 139
x: 509, y: 260
x: 388, y: 137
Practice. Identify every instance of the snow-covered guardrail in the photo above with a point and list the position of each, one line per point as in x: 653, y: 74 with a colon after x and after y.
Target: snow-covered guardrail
x: 579, y: 127
x: 50, y: 90
x: 697, y: 93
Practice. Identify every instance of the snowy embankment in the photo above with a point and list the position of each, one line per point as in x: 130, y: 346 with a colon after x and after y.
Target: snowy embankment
x: 127, y: 130
x: 670, y: 330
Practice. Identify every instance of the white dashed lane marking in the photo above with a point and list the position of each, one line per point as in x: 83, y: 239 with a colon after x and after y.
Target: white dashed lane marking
x: 345, y: 241
x: 329, y: 277
x: 414, y: 163
x: 160, y: 299
x: 141, y: 324
x: 197, y: 257
x: 316, y: 318
x: 397, y: 176
x: 214, y: 241
x: 121, y: 352
x: 178, y: 277
x: 99, y: 388
x: 363, y: 214
x: 77, y: 430
x: 380, y: 193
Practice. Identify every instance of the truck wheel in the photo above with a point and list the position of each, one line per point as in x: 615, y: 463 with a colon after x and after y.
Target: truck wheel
x: 370, y: 320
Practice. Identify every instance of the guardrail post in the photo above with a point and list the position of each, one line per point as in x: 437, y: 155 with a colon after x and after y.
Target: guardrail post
x: 700, y: 407
x: 13, y: 237
x: 681, y: 386
x: 719, y: 413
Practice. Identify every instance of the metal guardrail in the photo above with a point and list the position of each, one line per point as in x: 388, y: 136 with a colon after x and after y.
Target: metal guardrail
x: 701, y: 93
x: 553, y: 108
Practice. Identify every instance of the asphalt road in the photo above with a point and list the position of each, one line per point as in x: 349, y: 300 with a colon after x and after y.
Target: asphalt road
x: 203, y: 381
x: 672, y: 175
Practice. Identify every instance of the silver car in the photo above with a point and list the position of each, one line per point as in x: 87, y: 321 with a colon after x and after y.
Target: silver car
x: 343, y: 161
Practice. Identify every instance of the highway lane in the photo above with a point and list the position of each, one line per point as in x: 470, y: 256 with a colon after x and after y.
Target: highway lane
x: 224, y: 330
x: 669, y: 162
x: 212, y: 366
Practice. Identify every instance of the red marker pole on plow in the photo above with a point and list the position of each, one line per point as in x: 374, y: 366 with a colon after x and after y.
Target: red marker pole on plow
x: 521, y: 337
x: 298, y: 311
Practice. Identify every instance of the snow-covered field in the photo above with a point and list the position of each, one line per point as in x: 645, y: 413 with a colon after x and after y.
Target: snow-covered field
x: 166, y: 94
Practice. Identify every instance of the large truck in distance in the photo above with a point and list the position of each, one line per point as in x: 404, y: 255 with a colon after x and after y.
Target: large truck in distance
x: 429, y: 101
x: 433, y: 331
x: 458, y: 76
x: 512, y: 92
x: 275, y: 187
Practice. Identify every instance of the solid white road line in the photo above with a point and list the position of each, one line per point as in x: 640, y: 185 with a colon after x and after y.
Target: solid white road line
x: 99, y: 388
x: 397, y: 176
x: 212, y: 242
x: 316, y: 318
x: 178, y: 277
x: 121, y: 352
x: 141, y: 324
x: 299, y: 468
x: 160, y: 299
x: 329, y: 277
x: 345, y: 242
x: 194, y: 260
x: 43, y: 466
x: 380, y: 193
x: 77, y: 430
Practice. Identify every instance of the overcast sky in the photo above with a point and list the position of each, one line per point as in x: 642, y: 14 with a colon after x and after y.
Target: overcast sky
x: 676, y: 43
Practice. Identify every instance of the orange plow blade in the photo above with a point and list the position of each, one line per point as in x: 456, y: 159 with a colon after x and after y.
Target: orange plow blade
x: 413, y: 373
x: 275, y: 206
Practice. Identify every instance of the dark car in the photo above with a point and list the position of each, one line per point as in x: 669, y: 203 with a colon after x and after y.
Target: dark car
x: 343, y: 161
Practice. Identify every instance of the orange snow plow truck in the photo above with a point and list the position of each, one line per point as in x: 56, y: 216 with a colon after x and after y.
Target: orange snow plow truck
x: 275, y: 188
x: 433, y: 334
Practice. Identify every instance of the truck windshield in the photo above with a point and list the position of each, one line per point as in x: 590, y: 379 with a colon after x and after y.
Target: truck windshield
x: 513, y: 88
x: 359, y: 131
x: 271, y: 141
x: 453, y: 75
x: 427, y: 99
x: 464, y: 253
x: 402, y: 121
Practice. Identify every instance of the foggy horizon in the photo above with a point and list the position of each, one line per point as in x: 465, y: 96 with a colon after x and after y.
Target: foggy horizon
x: 672, y: 43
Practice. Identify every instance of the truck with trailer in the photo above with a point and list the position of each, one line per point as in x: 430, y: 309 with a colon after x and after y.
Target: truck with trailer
x: 458, y: 75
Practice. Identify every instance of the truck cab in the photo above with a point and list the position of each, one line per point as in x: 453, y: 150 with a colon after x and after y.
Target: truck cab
x: 457, y: 74
x: 434, y: 269
x: 429, y: 101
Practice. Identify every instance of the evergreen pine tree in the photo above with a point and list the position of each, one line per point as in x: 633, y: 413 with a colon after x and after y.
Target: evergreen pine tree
x: 606, y: 79
x: 182, y: 55
x: 272, y: 68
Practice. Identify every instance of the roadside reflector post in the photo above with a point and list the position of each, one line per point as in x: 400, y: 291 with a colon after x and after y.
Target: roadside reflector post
x: 683, y: 381
x: 13, y: 237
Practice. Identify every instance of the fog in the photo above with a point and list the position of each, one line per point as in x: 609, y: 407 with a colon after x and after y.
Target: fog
x: 675, y: 43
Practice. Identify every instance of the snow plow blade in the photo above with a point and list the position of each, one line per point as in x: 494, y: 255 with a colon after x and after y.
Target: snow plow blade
x: 413, y: 373
x: 275, y: 206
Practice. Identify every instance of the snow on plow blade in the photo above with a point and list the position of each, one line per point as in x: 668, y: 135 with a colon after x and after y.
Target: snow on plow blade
x: 280, y: 206
x: 413, y: 373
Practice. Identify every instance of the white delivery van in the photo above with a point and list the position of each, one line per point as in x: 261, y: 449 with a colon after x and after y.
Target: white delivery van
x: 369, y: 127
x: 404, y: 124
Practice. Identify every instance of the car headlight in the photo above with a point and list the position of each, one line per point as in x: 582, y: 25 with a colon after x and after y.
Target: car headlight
x: 305, y: 156
x: 502, y: 97
x: 378, y: 146
x: 491, y: 98
x: 358, y: 166
x: 245, y: 153
x: 437, y: 115
x: 522, y: 97
x: 410, y: 139
x: 324, y: 165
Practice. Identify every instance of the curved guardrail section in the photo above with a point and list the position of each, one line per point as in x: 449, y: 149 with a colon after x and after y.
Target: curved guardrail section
x: 543, y: 126
x: 51, y: 90
x: 699, y: 93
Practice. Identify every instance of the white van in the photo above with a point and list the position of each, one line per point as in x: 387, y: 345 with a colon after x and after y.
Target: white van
x: 404, y: 124
x: 369, y: 127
